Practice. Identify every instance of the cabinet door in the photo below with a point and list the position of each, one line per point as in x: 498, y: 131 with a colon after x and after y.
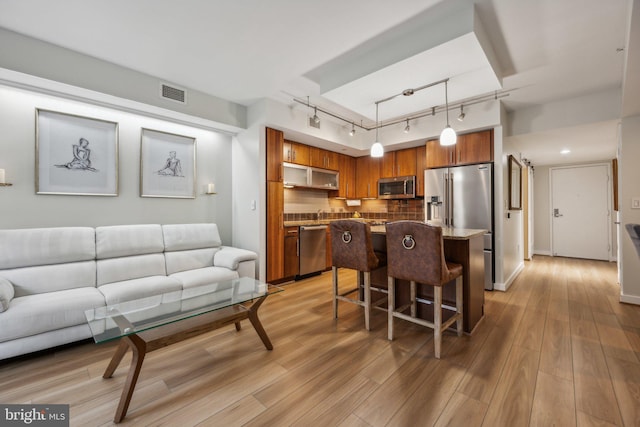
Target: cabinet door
x: 439, y: 156
x: 329, y: 261
x: 324, y: 159
x: 367, y: 175
x: 291, y: 252
x: 406, y: 162
x: 421, y: 165
x: 388, y: 167
x: 347, y: 181
x: 275, y: 230
x: 298, y: 153
x: 275, y: 151
x: 474, y: 147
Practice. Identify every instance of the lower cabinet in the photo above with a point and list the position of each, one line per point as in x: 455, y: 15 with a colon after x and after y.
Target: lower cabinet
x: 291, y: 252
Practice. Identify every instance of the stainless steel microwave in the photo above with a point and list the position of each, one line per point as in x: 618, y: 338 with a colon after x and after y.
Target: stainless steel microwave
x: 400, y: 187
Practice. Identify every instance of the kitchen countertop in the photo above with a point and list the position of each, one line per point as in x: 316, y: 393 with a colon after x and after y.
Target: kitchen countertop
x: 377, y: 227
x: 447, y: 232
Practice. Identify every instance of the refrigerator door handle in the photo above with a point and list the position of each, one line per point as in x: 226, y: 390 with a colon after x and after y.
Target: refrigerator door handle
x: 451, y: 198
x: 445, y: 202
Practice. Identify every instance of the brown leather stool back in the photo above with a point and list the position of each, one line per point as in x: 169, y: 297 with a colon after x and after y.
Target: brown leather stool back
x: 351, y: 245
x: 415, y: 251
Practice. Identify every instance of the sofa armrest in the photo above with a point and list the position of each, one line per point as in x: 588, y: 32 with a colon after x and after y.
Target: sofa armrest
x: 230, y: 257
x: 6, y: 294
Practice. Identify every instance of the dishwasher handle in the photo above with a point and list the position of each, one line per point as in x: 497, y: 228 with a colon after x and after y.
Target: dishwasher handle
x: 313, y: 227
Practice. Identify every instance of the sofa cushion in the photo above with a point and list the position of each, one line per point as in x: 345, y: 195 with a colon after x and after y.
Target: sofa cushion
x: 50, y: 278
x: 126, y: 240
x: 6, y: 294
x: 189, y: 260
x: 131, y: 267
x: 204, y: 276
x: 35, y: 314
x: 179, y: 237
x: 42, y: 246
x: 128, y: 290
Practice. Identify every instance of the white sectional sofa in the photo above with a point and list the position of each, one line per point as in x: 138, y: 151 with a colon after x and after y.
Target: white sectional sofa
x: 50, y: 276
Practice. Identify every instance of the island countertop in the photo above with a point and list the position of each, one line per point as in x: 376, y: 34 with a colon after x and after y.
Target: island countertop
x: 449, y: 233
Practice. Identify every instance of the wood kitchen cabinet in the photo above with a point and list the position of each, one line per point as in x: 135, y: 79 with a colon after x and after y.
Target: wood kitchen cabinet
x: 275, y: 230
x: 275, y: 143
x: 347, y: 181
x: 291, y: 252
x: 421, y: 165
x: 294, y: 152
x: 367, y: 175
x: 470, y: 148
x: 324, y: 159
x: 398, y: 163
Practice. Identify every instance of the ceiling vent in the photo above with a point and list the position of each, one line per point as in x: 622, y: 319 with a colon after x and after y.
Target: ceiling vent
x: 173, y: 93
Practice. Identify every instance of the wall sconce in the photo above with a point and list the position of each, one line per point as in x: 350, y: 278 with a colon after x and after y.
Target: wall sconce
x: 211, y: 189
x: 3, y: 182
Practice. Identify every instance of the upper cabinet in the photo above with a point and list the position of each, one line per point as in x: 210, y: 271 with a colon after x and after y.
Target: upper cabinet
x: 347, y: 168
x: 294, y: 152
x: 399, y: 163
x: 421, y: 165
x: 325, y: 159
x: 275, y: 143
x: 471, y: 148
x: 367, y: 175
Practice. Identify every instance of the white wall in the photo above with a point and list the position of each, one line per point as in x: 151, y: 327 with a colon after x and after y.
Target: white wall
x: 629, y: 188
x: 20, y: 207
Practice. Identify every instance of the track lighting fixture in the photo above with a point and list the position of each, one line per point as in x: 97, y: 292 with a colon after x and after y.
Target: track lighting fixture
x: 376, y: 149
x: 448, y: 135
x: 407, y: 128
x: 353, y: 129
x: 462, y: 114
x: 316, y: 119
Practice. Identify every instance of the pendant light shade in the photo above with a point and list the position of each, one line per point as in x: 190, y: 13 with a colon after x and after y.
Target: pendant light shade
x: 448, y: 135
x: 377, y: 150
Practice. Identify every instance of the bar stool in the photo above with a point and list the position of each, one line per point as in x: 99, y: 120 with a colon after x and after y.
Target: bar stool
x: 415, y: 252
x: 351, y: 247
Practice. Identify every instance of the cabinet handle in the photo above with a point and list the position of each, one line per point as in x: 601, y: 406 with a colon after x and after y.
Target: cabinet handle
x: 294, y: 155
x: 298, y: 247
x: 281, y: 220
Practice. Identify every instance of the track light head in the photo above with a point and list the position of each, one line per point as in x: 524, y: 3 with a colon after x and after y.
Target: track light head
x: 353, y: 130
x: 407, y: 128
x: 316, y: 119
x: 462, y: 114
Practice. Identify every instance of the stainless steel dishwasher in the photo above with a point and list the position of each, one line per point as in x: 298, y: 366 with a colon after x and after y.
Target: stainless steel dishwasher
x: 313, y: 249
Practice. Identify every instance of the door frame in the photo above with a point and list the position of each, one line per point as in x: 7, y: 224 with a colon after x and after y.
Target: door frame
x: 609, y: 202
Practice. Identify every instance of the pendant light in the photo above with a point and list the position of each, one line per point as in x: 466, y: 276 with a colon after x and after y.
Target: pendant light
x: 448, y: 135
x: 376, y: 149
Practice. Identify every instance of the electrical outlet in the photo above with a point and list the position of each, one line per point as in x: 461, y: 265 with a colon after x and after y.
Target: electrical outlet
x: 635, y: 203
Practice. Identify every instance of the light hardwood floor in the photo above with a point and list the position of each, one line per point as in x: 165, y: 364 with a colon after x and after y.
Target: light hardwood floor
x: 556, y: 349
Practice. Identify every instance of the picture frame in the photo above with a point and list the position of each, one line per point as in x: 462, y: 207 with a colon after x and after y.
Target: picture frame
x: 167, y: 165
x: 75, y: 155
x: 515, y: 184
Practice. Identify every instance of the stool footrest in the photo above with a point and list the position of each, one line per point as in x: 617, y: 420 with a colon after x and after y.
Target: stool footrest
x: 428, y: 324
x: 351, y: 300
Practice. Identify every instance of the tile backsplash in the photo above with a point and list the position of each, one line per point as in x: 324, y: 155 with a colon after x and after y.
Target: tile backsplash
x: 301, y: 205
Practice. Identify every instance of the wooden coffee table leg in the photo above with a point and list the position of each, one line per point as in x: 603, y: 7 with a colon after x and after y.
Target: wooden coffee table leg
x: 255, y: 321
x: 116, y: 359
x: 138, y: 347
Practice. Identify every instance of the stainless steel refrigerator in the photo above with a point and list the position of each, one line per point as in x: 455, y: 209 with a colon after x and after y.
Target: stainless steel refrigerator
x: 462, y: 197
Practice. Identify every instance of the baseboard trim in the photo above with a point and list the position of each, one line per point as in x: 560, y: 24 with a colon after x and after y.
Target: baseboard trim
x: 539, y: 252
x: 504, y: 286
x: 630, y: 299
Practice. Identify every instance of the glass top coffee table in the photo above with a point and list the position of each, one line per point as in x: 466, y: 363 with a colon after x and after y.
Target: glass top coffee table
x: 154, y: 322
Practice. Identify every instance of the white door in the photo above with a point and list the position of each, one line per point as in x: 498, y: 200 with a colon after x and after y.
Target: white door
x: 580, y: 211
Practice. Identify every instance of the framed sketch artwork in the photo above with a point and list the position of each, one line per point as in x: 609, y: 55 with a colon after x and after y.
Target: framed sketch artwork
x: 75, y: 155
x: 168, y: 165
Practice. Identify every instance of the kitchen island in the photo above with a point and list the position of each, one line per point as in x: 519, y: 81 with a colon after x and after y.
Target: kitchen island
x: 464, y: 247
